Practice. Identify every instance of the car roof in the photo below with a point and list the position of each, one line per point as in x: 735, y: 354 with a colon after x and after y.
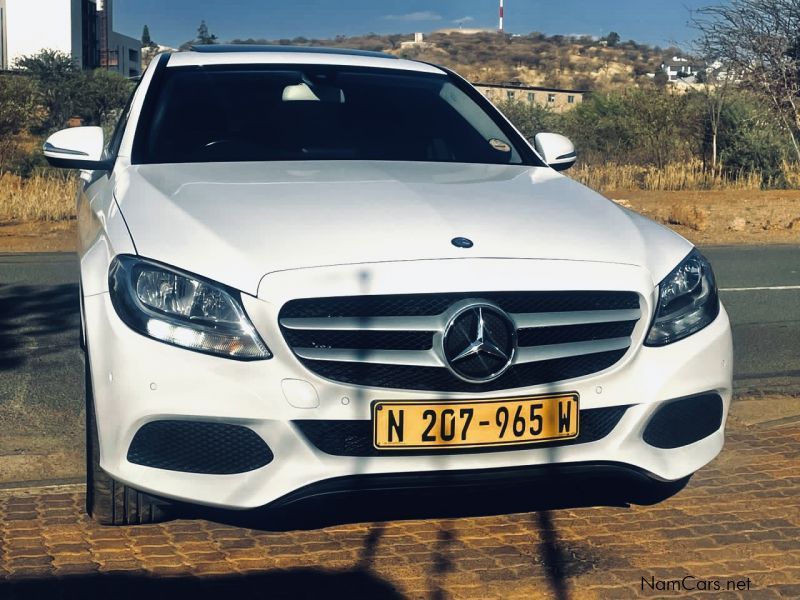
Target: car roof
x: 219, y: 48
x: 232, y: 54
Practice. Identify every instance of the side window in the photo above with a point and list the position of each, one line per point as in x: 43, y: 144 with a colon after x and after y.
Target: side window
x: 112, y: 148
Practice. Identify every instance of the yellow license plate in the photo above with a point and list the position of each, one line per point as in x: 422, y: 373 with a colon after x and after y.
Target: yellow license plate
x: 458, y: 424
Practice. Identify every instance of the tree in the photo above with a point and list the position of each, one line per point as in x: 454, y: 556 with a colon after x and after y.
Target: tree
x: 18, y: 105
x: 58, y: 81
x: 147, y: 41
x: 104, y: 94
x: 203, y: 35
x: 612, y: 39
x: 642, y: 126
x: 716, y: 92
x: 757, y: 41
x: 751, y: 138
x: 529, y: 118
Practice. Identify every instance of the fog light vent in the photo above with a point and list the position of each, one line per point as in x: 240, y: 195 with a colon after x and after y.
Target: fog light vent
x: 199, y: 447
x: 685, y: 421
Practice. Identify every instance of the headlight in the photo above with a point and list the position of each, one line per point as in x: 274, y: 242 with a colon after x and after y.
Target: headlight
x: 182, y: 309
x: 687, y: 301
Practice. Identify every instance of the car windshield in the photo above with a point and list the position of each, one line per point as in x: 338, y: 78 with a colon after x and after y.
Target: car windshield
x: 240, y: 113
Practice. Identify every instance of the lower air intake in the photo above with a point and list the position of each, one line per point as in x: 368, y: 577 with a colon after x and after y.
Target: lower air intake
x: 685, y: 421
x: 199, y: 447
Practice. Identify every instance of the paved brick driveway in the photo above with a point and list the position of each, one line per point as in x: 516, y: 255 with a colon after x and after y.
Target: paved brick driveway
x: 737, y: 519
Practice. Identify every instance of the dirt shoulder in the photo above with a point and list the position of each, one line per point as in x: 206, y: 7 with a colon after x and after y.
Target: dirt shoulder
x: 39, y: 236
x: 706, y: 218
x: 727, y: 217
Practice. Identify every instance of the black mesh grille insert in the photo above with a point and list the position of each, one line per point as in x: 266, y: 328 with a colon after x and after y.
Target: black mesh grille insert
x: 354, y: 438
x: 358, y: 340
x: 685, y: 421
x: 434, y: 304
x: 198, y: 447
x: 434, y: 379
x: 542, y: 336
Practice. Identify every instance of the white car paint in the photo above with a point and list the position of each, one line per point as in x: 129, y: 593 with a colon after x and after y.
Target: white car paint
x: 414, y: 210
x: 278, y: 231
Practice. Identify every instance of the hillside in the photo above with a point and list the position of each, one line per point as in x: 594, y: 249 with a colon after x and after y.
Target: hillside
x: 534, y: 59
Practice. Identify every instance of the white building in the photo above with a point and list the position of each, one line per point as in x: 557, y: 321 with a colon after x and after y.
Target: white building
x: 418, y: 42
x: 82, y: 28
x: 678, y: 68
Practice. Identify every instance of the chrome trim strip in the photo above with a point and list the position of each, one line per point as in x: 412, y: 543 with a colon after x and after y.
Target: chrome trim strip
x: 552, y: 319
x: 416, y: 358
x: 423, y: 323
x: 48, y: 147
x: 529, y: 354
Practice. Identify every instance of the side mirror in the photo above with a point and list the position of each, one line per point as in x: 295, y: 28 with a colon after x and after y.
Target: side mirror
x: 556, y: 150
x: 77, y: 148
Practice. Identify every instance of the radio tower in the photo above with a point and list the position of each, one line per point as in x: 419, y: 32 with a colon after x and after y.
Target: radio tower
x: 501, y: 16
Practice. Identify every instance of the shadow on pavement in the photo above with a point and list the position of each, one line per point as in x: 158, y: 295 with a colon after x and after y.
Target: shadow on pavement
x: 32, y: 318
x: 555, y: 557
x: 272, y: 585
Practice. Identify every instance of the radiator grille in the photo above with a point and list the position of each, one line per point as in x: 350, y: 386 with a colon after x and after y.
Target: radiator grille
x: 396, y: 341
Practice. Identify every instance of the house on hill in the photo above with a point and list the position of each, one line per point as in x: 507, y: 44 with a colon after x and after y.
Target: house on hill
x: 680, y: 68
x: 559, y: 100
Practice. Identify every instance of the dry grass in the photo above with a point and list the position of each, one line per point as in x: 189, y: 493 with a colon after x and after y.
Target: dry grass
x: 675, y: 177
x: 38, y: 198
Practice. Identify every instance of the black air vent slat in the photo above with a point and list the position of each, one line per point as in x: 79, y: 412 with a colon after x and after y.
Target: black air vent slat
x: 434, y: 304
x: 542, y: 336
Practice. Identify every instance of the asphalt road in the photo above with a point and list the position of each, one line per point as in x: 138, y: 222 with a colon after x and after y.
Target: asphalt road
x: 40, y: 362
x: 766, y: 320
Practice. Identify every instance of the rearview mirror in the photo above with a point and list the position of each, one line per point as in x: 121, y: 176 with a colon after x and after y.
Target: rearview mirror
x: 556, y: 150
x: 77, y: 148
x: 313, y: 93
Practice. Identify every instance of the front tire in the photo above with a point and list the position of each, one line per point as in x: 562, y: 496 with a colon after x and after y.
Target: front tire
x: 109, y: 502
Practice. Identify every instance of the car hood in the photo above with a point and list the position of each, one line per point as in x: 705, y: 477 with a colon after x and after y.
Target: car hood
x: 236, y: 222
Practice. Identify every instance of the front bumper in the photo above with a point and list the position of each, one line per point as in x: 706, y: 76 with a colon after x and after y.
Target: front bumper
x: 138, y: 380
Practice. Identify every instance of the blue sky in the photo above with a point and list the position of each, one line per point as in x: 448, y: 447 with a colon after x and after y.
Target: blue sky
x: 171, y: 22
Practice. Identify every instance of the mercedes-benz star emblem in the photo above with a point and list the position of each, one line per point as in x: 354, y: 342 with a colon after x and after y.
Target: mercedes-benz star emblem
x: 479, y: 343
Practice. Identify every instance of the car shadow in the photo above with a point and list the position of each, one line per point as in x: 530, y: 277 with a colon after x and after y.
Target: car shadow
x: 294, y: 584
x: 555, y: 558
x: 549, y: 493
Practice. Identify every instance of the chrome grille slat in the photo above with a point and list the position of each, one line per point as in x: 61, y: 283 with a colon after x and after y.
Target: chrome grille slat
x: 529, y: 354
x: 583, y: 317
x: 414, y: 358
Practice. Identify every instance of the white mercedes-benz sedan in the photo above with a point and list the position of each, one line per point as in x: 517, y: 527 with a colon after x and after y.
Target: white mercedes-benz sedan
x: 309, y: 272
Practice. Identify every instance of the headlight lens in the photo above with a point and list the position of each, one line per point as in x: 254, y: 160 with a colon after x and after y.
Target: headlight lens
x: 182, y: 309
x: 688, y: 301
